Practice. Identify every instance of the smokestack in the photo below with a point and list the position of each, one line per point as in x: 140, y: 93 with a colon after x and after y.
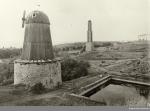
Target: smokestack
x: 89, y: 44
x: 89, y: 32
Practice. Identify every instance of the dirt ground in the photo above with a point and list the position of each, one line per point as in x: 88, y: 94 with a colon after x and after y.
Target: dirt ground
x: 10, y: 96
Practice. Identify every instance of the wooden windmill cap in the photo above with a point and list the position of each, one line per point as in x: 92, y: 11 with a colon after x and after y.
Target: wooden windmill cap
x: 37, y: 17
x: 37, y: 38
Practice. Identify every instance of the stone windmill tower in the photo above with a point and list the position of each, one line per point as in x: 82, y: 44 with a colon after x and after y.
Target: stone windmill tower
x: 89, y: 43
x: 37, y: 62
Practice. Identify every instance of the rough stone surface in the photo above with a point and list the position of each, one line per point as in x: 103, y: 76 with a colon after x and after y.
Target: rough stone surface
x: 48, y: 73
x: 89, y: 46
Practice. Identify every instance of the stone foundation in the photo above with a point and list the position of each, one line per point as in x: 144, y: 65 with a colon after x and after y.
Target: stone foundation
x: 89, y: 46
x: 31, y: 72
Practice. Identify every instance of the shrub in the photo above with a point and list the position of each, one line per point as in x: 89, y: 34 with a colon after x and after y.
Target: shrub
x: 103, y: 61
x: 6, y: 73
x: 105, y: 44
x: 38, y: 88
x: 7, y: 82
x: 143, y: 67
x: 72, y: 69
x: 16, y: 92
x: 21, y: 85
x: 9, y: 53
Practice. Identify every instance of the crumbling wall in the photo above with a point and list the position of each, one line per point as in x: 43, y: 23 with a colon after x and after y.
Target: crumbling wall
x: 48, y: 73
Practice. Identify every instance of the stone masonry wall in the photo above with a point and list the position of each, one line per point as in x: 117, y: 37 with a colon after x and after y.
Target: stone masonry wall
x: 89, y: 46
x: 48, y: 73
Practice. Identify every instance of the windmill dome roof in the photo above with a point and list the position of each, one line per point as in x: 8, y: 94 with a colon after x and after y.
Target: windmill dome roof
x: 37, y: 17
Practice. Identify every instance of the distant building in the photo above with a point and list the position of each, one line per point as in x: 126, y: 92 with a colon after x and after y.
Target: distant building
x: 89, y: 43
x: 143, y: 37
x: 37, y: 64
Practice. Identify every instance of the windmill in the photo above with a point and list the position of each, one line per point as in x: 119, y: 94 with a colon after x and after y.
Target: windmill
x: 23, y: 18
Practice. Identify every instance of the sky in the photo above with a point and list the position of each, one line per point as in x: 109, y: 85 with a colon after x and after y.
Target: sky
x: 112, y: 20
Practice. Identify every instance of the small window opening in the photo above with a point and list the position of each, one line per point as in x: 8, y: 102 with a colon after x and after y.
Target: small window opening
x: 34, y: 15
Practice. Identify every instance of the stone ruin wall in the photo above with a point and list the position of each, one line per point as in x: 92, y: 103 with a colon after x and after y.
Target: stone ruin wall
x: 48, y: 73
x: 89, y: 46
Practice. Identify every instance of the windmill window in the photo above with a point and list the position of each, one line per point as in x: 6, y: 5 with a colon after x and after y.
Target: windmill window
x: 34, y: 15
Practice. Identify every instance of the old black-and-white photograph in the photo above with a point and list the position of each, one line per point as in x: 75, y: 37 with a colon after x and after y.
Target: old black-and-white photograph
x: 75, y: 53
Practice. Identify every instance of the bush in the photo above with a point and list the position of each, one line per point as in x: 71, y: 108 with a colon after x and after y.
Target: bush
x: 38, y: 88
x: 143, y: 67
x: 6, y: 73
x: 21, y: 85
x: 16, y: 92
x: 9, y: 53
x: 7, y: 82
x: 72, y: 69
x: 105, y: 44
